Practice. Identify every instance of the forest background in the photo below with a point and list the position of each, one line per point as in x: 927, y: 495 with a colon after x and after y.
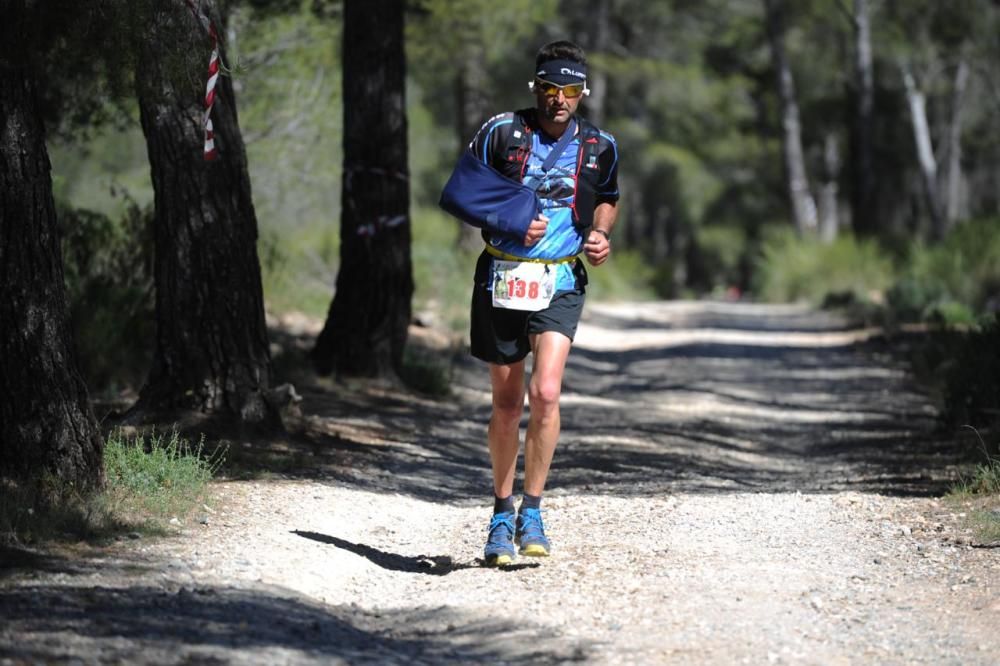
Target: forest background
x: 898, y: 118
x: 842, y: 153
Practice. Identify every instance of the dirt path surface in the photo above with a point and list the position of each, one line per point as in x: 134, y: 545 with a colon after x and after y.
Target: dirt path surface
x: 734, y: 484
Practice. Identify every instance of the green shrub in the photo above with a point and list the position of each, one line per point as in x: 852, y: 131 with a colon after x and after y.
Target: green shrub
x: 984, y: 480
x: 912, y: 297
x: 721, y: 253
x: 625, y: 276
x: 790, y: 268
x: 108, y: 268
x: 972, y: 378
x: 149, y: 480
x: 951, y: 281
x: 161, y: 475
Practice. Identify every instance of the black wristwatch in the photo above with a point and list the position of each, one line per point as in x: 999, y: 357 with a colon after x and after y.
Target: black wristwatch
x: 604, y: 233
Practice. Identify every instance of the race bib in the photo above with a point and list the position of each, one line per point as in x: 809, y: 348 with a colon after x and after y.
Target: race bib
x: 522, y: 285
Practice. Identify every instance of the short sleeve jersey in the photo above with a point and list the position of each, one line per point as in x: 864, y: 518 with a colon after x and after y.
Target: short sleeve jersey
x: 556, y: 188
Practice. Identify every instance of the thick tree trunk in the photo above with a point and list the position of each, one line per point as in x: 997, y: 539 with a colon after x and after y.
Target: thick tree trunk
x: 797, y: 182
x: 956, y: 205
x: 829, y: 213
x: 863, y: 192
x: 46, y: 424
x: 366, y: 328
x: 925, y: 151
x: 212, y: 349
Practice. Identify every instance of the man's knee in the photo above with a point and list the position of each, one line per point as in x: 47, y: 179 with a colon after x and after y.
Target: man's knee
x: 508, y: 406
x: 543, y: 393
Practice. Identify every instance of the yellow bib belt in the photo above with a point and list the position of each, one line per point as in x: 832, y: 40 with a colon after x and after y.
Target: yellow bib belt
x: 510, y: 257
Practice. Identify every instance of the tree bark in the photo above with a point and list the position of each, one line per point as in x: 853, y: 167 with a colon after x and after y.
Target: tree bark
x: 366, y: 328
x: 47, y: 427
x: 212, y: 351
x: 863, y: 192
x: 797, y: 182
x: 925, y: 151
x: 955, y: 204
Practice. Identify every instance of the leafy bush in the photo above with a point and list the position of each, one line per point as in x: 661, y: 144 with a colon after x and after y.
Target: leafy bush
x: 156, y: 477
x: 626, y: 275
x: 721, y: 251
x: 972, y: 378
x: 984, y: 480
x: 953, y: 280
x: 108, y: 268
x: 790, y: 268
x: 147, y: 482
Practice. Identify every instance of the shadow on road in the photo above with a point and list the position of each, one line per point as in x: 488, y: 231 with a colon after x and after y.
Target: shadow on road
x: 209, y: 625
x: 431, y: 565
x: 781, y: 404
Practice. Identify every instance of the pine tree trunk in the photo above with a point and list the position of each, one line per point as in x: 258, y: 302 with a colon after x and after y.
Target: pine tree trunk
x: 829, y: 213
x: 863, y: 192
x: 797, y: 182
x: 366, y: 328
x: 212, y: 349
x: 955, y: 204
x: 46, y: 424
x: 925, y: 151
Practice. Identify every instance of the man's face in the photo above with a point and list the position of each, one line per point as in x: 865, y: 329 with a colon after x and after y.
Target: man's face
x: 557, y: 108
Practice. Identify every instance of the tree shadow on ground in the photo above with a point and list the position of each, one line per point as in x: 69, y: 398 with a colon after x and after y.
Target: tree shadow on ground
x: 145, y: 624
x: 693, y: 417
x: 15, y: 561
x: 79, y: 560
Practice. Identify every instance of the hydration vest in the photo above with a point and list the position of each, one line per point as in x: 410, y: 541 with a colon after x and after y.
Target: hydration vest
x: 513, y: 160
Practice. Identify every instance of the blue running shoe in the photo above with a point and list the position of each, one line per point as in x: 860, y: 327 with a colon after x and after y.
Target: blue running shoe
x: 530, y: 533
x: 500, y: 543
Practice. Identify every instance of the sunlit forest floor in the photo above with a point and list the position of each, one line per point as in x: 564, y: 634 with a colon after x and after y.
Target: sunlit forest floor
x: 735, y: 483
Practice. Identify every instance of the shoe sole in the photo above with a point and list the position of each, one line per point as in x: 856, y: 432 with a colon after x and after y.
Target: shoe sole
x: 535, y: 550
x: 499, y: 561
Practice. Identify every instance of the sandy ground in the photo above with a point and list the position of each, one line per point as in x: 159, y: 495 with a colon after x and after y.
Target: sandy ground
x: 735, y: 484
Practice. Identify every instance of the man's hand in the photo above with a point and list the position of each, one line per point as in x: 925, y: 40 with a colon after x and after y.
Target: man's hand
x: 597, y: 248
x: 536, y: 230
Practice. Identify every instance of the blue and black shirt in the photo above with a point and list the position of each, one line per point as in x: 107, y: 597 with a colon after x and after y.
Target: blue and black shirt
x: 515, y: 145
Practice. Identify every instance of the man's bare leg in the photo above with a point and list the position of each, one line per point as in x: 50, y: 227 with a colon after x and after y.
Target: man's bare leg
x: 551, y: 350
x: 504, y: 436
x: 504, y: 440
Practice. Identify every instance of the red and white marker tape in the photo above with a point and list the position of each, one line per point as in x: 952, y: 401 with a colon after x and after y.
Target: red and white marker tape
x: 213, y: 77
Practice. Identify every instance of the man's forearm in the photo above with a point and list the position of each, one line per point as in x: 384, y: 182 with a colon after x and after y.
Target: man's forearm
x: 605, y: 216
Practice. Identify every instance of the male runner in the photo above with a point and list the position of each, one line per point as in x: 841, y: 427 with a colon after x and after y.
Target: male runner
x: 529, y: 291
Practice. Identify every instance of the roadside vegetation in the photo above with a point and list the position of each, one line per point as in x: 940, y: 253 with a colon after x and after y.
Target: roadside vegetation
x: 153, y: 482
x: 979, y: 494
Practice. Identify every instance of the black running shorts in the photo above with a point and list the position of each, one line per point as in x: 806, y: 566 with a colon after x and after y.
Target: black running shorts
x: 500, y: 335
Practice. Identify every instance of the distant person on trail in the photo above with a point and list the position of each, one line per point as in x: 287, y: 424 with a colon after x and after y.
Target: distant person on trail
x: 529, y: 283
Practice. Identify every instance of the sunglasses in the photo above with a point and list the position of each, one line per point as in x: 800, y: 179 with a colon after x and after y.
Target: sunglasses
x: 550, y: 89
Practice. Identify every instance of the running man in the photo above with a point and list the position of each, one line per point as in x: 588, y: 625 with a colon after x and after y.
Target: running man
x: 529, y: 291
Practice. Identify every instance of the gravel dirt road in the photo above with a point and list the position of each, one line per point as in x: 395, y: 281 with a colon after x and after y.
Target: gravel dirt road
x: 735, y: 484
